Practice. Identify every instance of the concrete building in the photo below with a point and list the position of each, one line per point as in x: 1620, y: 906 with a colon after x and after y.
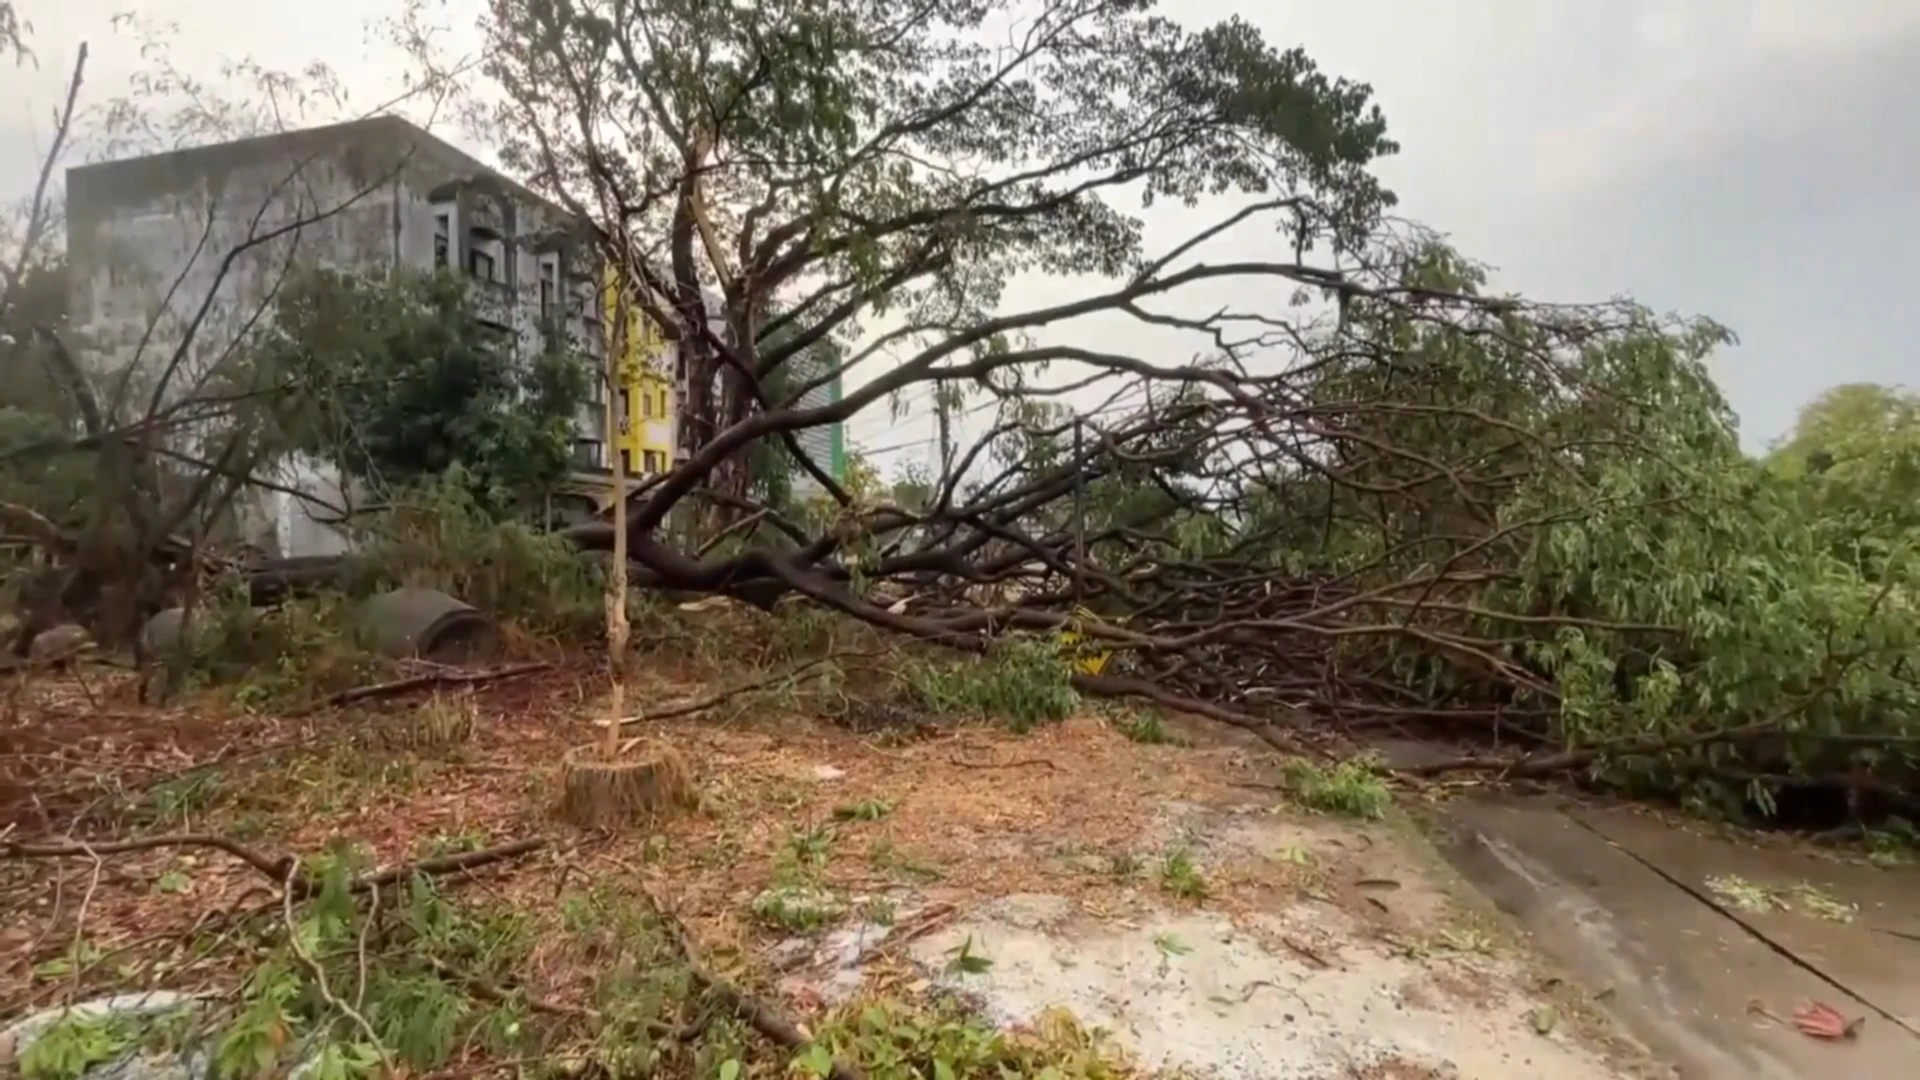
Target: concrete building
x: 175, y: 258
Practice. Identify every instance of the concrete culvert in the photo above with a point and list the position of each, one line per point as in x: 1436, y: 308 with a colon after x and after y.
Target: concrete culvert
x: 161, y: 635
x: 429, y: 624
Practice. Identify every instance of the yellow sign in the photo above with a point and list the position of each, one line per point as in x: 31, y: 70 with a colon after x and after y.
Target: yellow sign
x: 1088, y: 658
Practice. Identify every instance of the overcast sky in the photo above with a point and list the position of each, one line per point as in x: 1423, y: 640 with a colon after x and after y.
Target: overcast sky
x: 1753, y: 160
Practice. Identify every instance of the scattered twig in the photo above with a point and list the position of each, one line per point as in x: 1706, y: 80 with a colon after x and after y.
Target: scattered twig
x: 1267, y: 731
x: 80, y: 918
x: 284, y: 870
x: 758, y: 1015
x: 430, y: 680
x: 451, y: 864
x: 320, y: 974
x: 273, y: 868
x: 360, y: 946
x: 1304, y: 953
x: 1017, y: 763
x: 724, y: 696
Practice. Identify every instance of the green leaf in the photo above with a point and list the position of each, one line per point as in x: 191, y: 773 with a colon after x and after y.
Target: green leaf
x: 1171, y: 945
x: 730, y: 1069
x: 815, y: 1060
x: 962, y: 960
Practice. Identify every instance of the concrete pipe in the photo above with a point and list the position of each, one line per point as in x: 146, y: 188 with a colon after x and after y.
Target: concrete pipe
x: 428, y: 624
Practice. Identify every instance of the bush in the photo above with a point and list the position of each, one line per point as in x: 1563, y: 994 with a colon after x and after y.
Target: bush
x: 1021, y: 680
x: 439, y: 537
x: 279, y: 654
x: 1350, y: 788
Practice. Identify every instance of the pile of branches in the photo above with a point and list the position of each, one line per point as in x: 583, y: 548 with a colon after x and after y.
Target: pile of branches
x: 1332, y: 540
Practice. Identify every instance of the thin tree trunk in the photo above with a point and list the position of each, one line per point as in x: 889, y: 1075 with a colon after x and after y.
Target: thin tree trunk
x: 617, y: 572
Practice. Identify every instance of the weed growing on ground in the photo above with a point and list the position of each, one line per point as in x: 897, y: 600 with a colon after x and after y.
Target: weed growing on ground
x: 178, y: 802
x: 801, y: 631
x: 796, y: 901
x: 1350, y: 788
x: 808, y: 849
x: 962, y: 959
x: 864, y: 810
x: 1180, y: 876
x: 441, y: 721
x: 892, y: 1042
x: 1022, y: 681
x: 1148, y: 729
x: 641, y: 987
x: 1125, y: 866
x: 798, y: 906
x: 885, y: 858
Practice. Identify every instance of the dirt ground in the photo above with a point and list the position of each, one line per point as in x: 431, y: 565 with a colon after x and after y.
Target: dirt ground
x: 1085, y: 867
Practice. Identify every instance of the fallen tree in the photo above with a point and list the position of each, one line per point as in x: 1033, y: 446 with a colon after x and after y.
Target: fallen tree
x: 1374, y: 496
x: 1362, y: 492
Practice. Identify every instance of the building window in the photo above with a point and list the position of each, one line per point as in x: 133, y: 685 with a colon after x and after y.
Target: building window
x: 646, y: 405
x: 549, y: 283
x: 625, y: 408
x: 663, y: 402
x: 480, y: 264
x: 626, y: 462
x: 442, y: 239
x: 653, y: 460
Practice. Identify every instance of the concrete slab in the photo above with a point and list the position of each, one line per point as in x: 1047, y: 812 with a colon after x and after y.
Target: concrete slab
x: 1879, y: 968
x: 1675, y: 972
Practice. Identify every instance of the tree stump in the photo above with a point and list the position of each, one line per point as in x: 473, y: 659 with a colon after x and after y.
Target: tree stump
x: 599, y: 792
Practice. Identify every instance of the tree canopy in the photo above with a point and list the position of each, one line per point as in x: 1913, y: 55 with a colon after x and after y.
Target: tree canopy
x: 405, y: 381
x: 856, y: 161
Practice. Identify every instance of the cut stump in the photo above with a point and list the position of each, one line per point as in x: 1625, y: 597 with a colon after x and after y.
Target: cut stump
x: 598, y: 792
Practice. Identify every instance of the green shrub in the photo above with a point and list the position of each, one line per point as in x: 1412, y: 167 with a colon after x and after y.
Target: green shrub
x: 1023, y: 681
x: 296, y: 649
x: 1350, y: 788
x: 440, y: 538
